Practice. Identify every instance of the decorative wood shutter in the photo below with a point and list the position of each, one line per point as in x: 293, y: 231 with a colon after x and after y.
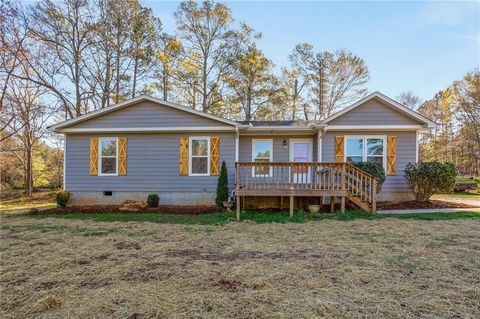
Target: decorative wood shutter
x: 184, y: 156
x: 94, y: 156
x: 391, y: 155
x: 122, y: 156
x: 339, y: 148
x: 214, y: 155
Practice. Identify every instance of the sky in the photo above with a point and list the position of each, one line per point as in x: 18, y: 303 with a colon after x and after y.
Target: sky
x: 409, y: 45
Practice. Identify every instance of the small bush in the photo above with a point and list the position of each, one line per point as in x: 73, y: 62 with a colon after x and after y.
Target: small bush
x: 374, y: 169
x: 428, y: 178
x: 153, y: 200
x: 222, y: 186
x: 63, y: 198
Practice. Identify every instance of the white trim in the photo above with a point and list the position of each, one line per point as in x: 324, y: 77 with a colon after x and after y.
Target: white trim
x: 374, y: 127
x: 237, y: 145
x: 190, y: 154
x: 319, y: 146
x: 100, y: 155
x: 64, y: 160
x: 270, y: 140
x: 364, y: 149
x: 416, y: 147
x: 271, y: 128
x: 134, y: 100
x: 147, y: 129
x: 389, y: 101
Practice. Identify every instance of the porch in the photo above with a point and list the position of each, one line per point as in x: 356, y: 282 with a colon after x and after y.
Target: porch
x: 308, y: 179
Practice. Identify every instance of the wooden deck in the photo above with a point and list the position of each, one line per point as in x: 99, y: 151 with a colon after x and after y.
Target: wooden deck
x: 313, y: 179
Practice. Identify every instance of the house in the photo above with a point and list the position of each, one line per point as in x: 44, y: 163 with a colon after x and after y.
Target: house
x: 145, y: 145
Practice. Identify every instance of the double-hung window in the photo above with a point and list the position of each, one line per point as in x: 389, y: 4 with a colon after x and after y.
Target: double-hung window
x: 108, y: 156
x: 365, y: 149
x: 199, y: 156
x: 262, y: 151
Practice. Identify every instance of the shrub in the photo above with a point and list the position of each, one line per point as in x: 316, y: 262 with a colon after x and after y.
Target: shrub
x: 374, y: 169
x: 222, y: 186
x: 428, y: 178
x: 153, y: 200
x: 63, y: 198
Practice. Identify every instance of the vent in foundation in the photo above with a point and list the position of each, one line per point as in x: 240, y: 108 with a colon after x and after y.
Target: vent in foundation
x: 107, y: 193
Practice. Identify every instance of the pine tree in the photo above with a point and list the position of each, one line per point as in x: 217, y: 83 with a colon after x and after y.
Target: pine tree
x: 222, y: 186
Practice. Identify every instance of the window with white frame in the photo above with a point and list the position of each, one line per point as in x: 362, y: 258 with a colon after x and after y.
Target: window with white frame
x: 365, y: 149
x: 262, y: 151
x: 108, y: 159
x: 199, y: 155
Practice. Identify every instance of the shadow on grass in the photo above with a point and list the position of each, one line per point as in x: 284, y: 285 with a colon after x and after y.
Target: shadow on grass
x: 259, y: 217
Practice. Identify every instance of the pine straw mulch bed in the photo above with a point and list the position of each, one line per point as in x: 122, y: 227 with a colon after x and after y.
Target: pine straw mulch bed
x: 388, y: 268
x: 163, y: 209
x: 432, y: 204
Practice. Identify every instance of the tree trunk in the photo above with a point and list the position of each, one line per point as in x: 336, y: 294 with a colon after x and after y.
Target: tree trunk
x: 135, y: 72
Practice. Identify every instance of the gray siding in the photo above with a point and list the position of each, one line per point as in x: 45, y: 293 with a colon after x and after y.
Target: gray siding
x: 148, y: 114
x: 373, y: 112
x: 152, y: 165
x: 406, y: 146
x: 280, y: 153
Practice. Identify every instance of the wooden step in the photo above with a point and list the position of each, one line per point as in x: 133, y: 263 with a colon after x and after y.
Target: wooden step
x: 360, y: 203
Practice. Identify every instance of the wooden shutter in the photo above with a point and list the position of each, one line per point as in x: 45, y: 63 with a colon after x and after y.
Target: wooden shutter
x: 122, y: 156
x: 214, y: 155
x: 184, y: 156
x: 94, y: 156
x: 339, y: 149
x: 391, y: 155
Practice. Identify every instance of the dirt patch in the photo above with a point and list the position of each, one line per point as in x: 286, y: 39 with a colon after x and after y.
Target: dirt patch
x: 432, y: 204
x: 227, y: 285
x: 124, y: 245
x: 164, y: 209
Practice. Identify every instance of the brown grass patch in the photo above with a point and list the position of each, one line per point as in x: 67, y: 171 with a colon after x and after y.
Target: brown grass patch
x: 387, y: 268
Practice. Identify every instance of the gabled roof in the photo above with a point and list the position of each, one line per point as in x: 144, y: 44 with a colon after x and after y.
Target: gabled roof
x: 388, y: 101
x: 140, y: 98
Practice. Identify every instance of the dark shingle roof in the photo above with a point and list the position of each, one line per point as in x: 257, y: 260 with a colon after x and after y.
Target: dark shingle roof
x: 274, y: 123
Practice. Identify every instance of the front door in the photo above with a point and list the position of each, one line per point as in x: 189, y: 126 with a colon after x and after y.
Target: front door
x: 301, y: 152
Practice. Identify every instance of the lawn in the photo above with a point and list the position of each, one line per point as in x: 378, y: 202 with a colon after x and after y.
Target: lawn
x: 382, y: 268
x: 16, y: 200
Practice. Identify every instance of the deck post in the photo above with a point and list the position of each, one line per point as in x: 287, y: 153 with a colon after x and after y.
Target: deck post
x: 291, y: 206
x: 332, y: 204
x: 238, y: 208
x: 342, y: 205
x: 374, y: 195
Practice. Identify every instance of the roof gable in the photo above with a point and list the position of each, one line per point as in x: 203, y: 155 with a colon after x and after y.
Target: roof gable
x: 142, y: 112
x: 378, y: 109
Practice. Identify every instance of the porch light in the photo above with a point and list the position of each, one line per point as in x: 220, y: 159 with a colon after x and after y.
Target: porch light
x: 285, y: 143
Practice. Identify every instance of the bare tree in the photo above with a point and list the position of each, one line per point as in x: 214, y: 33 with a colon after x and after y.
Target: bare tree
x: 336, y: 79
x: 409, y: 99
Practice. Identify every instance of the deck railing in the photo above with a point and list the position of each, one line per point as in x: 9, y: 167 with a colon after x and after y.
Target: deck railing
x: 261, y: 177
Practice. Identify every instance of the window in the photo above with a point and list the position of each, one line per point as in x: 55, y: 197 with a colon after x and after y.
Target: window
x: 365, y: 149
x: 199, y: 156
x: 108, y: 155
x: 262, y: 152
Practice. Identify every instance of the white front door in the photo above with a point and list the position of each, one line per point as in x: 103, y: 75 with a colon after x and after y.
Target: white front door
x: 301, y: 152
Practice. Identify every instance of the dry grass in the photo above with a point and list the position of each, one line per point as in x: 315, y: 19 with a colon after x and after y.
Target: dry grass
x: 387, y: 268
x: 17, y: 200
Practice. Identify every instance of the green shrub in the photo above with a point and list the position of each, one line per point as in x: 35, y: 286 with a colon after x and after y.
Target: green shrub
x: 374, y: 169
x: 428, y: 178
x: 63, y: 198
x: 153, y: 200
x: 222, y: 186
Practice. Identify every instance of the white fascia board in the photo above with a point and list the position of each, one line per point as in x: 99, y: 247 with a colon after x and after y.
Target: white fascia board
x: 389, y: 101
x: 134, y: 100
x: 374, y: 127
x: 148, y: 129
